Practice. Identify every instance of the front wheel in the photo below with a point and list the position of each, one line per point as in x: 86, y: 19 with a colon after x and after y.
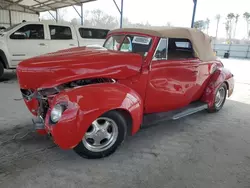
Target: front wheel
x: 220, y: 98
x: 103, y: 136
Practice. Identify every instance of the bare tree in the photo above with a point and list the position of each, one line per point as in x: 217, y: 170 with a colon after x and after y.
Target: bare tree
x: 97, y: 18
x: 207, y: 24
x: 217, y: 17
x: 103, y: 20
x: 229, y: 25
x: 236, y: 22
x: 126, y: 23
x: 169, y: 24
x: 246, y: 15
x: 61, y: 16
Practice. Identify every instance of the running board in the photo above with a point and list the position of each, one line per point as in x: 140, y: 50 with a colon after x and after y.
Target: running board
x: 155, y: 118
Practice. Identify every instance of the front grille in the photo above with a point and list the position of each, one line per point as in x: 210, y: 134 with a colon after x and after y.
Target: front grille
x: 43, y: 104
x: 27, y: 93
x: 43, y: 107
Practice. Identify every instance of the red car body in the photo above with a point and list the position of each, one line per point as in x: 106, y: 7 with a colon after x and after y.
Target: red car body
x: 136, y: 85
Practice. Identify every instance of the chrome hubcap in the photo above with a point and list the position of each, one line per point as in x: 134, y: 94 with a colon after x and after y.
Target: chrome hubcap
x: 101, y: 135
x: 220, y: 96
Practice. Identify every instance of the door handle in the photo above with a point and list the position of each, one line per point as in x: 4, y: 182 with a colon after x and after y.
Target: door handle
x: 196, y: 72
x: 72, y: 45
x: 42, y: 44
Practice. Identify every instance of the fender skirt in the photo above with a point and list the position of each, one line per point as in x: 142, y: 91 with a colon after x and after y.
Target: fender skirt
x: 85, y: 104
x: 220, y: 76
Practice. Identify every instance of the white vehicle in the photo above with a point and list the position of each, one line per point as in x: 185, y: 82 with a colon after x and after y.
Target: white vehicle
x: 29, y: 39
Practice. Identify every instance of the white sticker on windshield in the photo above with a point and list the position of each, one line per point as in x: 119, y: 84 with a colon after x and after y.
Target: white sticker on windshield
x: 141, y: 40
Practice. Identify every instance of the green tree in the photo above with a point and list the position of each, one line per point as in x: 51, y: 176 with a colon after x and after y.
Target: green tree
x: 200, y: 24
x: 246, y: 15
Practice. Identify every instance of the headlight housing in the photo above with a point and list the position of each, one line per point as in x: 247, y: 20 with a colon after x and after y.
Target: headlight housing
x: 56, y: 113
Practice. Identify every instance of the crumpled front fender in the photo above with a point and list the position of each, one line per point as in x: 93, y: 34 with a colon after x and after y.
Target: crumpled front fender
x: 85, y: 104
x: 220, y: 76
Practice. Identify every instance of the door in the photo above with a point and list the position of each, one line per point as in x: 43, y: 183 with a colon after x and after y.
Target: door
x: 205, y: 70
x: 62, y: 37
x: 172, y: 80
x: 26, y: 42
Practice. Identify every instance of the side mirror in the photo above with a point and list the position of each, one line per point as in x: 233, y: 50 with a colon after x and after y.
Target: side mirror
x: 18, y: 35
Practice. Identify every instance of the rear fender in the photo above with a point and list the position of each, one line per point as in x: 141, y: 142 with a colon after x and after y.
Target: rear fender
x: 87, y: 103
x: 221, y: 75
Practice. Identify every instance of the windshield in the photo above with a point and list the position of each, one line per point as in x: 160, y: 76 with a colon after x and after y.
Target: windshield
x: 129, y: 43
x: 11, y: 27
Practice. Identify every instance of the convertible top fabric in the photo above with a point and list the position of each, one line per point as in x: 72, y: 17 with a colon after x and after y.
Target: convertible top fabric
x: 201, y: 42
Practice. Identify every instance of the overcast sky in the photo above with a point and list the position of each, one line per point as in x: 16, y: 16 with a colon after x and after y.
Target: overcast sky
x: 177, y: 12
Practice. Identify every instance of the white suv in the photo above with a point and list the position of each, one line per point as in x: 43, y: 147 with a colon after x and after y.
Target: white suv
x: 29, y: 39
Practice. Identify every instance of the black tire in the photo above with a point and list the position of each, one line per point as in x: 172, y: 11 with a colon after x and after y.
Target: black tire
x: 118, y: 118
x: 215, y: 108
x: 1, y: 70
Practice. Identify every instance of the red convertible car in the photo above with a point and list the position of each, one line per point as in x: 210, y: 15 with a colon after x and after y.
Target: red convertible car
x: 90, y: 98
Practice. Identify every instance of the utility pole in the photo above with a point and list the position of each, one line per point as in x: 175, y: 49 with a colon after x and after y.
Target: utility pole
x: 121, y: 12
x: 194, y: 11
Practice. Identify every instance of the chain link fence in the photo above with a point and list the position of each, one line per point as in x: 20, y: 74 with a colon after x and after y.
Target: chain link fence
x: 232, y: 50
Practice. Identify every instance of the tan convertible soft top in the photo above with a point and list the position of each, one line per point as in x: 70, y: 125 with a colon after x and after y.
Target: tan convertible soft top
x: 200, y: 41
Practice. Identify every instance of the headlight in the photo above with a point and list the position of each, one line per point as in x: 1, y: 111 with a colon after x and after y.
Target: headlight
x: 56, y: 113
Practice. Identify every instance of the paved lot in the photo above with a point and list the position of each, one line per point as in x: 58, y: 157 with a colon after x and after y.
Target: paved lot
x: 203, y: 150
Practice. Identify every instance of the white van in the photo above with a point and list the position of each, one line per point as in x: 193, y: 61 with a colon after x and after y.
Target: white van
x: 29, y: 39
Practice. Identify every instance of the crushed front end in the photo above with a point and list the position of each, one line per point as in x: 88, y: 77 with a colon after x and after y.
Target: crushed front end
x: 62, y: 89
x: 56, y: 111
x: 38, y: 103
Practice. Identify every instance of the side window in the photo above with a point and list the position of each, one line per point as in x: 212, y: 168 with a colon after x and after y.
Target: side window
x: 182, y: 44
x: 31, y: 31
x: 60, y: 32
x: 180, y: 49
x: 93, y: 33
x: 161, y: 50
x: 126, y: 45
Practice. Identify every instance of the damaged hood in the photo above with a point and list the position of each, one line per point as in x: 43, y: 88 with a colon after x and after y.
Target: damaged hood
x: 63, y: 66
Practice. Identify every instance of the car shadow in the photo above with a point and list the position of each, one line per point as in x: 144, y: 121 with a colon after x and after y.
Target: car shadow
x: 9, y: 76
x: 36, y: 149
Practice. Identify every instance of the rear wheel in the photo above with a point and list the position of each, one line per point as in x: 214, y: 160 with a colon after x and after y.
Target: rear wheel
x: 103, y: 136
x: 1, y: 70
x: 220, y: 98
